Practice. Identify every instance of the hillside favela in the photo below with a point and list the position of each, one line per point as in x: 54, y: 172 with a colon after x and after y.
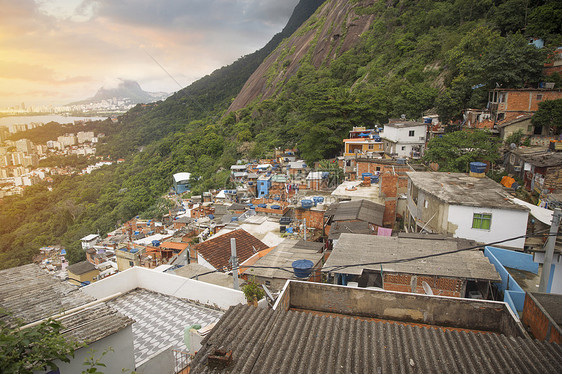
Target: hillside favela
x: 339, y: 186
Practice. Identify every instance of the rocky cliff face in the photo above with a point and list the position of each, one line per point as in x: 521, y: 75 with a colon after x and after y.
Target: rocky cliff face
x: 331, y: 31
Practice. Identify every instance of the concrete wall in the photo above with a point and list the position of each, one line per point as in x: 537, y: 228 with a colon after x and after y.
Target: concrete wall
x: 505, y: 224
x: 555, y: 280
x: 122, y: 356
x: 433, y: 310
x: 162, y: 362
x: 167, y: 284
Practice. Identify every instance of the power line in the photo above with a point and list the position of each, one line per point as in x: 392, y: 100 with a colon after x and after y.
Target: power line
x: 340, y: 267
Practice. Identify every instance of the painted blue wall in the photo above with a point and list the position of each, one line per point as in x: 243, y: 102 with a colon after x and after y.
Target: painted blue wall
x: 514, y: 295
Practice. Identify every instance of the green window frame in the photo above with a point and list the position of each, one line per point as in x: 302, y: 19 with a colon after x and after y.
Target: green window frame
x: 482, y: 221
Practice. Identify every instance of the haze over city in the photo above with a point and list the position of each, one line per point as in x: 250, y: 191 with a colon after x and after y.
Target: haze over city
x: 57, y: 51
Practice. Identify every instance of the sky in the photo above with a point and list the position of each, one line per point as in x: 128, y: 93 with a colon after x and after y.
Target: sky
x: 53, y: 52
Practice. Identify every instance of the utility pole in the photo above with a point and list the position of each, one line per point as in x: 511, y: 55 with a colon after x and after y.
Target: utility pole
x: 549, y: 250
x: 304, y: 228
x: 234, y: 261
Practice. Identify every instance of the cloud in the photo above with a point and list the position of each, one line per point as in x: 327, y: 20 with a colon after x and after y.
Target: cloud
x: 78, y: 45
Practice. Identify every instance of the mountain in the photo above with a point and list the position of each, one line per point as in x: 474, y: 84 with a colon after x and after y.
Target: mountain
x: 334, y: 66
x: 124, y: 90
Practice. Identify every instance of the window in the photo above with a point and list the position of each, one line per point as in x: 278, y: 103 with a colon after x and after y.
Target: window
x: 131, y: 263
x: 539, y: 97
x: 481, y: 221
x: 403, y: 147
x: 411, y: 133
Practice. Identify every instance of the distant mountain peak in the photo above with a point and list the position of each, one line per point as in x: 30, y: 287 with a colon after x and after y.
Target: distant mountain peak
x: 124, y: 89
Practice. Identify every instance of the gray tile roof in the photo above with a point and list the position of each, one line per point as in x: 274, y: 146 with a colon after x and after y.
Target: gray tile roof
x: 470, y: 264
x: 461, y: 189
x: 363, y: 210
x: 267, y: 341
x: 82, y: 267
x: 31, y: 294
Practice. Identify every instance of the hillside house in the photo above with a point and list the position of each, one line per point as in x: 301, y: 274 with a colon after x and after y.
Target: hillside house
x: 32, y: 295
x: 449, y: 274
x: 348, y: 216
x: 510, y: 103
x: 89, y: 241
x: 520, y: 123
x: 332, y: 329
x: 363, y: 142
x: 464, y: 207
x: 82, y: 273
x: 215, y: 253
x: 403, y: 138
x: 539, y: 168
x: 181, y: 182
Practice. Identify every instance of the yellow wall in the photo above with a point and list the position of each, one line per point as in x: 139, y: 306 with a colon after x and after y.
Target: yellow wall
x: 86, y: 277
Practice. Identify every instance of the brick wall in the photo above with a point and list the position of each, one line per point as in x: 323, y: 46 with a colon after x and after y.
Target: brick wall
x: 538, y: 323
x: 314, y: 218
x: 527, y: 100
x: 412, y: 283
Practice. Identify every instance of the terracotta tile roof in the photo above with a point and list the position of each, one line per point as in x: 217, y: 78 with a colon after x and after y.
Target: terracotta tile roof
x: 217, y: 250
x: 174, y: 245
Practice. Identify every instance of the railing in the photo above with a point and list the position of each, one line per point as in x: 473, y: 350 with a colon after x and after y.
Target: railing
x: 182, y: 361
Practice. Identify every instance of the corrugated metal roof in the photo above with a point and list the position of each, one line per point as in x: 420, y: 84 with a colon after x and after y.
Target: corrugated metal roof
x: 267, y: 341
x: 470, y: 264
x: 339, y: 227
x: 31, y: 294
x: 363, y: 210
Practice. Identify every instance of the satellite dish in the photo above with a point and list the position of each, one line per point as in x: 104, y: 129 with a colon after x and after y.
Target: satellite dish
x: 427, y: 288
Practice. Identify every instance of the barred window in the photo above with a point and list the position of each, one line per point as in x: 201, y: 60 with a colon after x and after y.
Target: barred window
x: 482, y: 221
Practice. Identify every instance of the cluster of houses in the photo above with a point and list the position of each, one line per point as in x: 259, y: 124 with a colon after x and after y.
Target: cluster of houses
x: 19, y: 159
x: 397, y: 268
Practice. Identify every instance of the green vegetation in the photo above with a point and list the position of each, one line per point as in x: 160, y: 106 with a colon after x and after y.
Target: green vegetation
x: 455, y: 151
x: 549, y: 115
x: 253, y: 291
x: 26, y: 351
x: 416, y: 56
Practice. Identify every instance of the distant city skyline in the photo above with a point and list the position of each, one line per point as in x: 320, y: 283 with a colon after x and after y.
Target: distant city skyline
x: 53, y: 52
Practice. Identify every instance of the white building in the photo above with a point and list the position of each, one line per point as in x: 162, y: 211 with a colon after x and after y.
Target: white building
x: 465, y: 207
x: 89, y: 241
x: 404, y: 138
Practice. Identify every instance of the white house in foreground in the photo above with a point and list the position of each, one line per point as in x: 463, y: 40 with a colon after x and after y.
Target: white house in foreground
x: 465, y: 207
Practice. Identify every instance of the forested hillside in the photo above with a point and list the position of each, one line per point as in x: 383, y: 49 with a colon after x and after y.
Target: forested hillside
x: 404, y: 57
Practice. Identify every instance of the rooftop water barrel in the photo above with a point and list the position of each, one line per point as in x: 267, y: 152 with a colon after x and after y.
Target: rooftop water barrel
x: 375, y: 179
x: 156, y: 243
x: 262, y: 205
x: 477, y: 167
x: 364, y: 175
x: 427, y: 120
x: 302, y: 268
x: 275, y: 207
x: 306, y: 203
x: 251, y: 206
x: 318, y: 200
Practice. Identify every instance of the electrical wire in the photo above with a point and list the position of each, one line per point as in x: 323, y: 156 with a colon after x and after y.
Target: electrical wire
x: 341, y: 267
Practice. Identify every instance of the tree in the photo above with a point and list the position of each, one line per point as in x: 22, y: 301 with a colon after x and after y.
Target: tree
x: 549, y: 114
x: 454, y: 151
x: 24, y: 351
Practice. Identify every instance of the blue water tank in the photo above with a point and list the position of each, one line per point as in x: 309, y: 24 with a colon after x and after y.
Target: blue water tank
x: 477, y: 167
x: 302, y: 268
x: 251, y: 206
x: 233, y: 219
x: 375, y: 179
x: 275, y: 207
x: 318, y: 200
x: 364, y: 175
x: 306, y: 203
x: 156, y: 243
x: 427, y: 120
x: 262, y: 205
